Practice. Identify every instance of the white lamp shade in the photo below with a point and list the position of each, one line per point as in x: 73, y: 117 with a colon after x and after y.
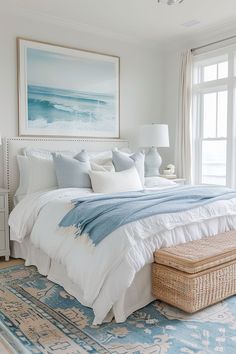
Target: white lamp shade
x: 154, y: 135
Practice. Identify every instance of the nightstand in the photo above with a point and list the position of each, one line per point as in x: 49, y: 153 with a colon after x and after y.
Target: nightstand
x: 4, y: 230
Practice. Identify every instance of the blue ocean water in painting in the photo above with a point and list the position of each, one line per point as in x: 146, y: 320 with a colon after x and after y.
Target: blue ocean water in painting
x: 53, y: 108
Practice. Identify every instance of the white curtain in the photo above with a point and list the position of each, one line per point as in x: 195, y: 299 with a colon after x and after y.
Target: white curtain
x: 183, y: 129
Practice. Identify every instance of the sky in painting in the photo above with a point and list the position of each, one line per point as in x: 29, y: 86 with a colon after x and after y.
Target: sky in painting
x: 70, y: 72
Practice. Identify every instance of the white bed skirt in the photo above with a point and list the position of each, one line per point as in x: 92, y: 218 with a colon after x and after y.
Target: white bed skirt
x: 137, y: 295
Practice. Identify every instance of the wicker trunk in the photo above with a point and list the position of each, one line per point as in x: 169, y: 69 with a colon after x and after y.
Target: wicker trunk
x: 205, y: 274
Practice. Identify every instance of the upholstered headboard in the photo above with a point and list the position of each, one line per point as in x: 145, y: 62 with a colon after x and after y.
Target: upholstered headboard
x: 14, y: 146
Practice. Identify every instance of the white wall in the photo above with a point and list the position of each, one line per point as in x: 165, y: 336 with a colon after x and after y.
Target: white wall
x: 141, y: 72
x: 170, y: 101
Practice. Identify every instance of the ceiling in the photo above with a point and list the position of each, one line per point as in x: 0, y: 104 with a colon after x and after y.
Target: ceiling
x: 134, y: 19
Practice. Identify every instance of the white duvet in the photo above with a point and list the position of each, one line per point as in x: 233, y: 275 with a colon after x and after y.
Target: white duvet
x: 105, y: 272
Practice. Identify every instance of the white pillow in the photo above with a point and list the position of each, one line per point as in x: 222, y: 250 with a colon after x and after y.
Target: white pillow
x: 151, y: 182
x: 42, y: 175
x: 100, y: 161
x: 102, y: 156
x: 45, y: 154
x: 115, y: 182
x: 99, y: 156
x: 23, y: 165
x: 36, y: 174
x: 102, y: 167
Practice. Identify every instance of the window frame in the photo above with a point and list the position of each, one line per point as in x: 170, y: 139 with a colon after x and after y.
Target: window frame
x: 198, y: 90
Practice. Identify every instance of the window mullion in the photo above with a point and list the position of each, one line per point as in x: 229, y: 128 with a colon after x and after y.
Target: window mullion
x: 195, y: 137
x: 200, y: 136
x: 217, y: 113
x: 230, y: 164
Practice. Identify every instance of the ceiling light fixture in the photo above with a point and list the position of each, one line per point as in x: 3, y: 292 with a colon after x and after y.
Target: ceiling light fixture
x: 191, y: 23
x: 170, y: 2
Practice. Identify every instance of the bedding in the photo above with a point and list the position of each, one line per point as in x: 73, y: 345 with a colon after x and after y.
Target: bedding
x: 137, y: 295
x: 97, y: 217
x: 152, y: 182
x: 24, y: 215
x: 105, y: 273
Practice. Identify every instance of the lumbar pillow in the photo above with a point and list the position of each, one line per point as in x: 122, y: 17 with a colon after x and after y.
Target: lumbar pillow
x: 123, y: 161
x: 72, y: 172
x: 115, y: 182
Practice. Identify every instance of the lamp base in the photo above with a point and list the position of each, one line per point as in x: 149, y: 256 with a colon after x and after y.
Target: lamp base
x: 153, y: 163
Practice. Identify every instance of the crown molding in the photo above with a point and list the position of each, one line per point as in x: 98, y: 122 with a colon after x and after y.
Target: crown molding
x: 194, y: 36
x: 40, y: 16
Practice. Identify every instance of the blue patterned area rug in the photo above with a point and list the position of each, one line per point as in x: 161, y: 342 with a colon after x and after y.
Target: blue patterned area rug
x: 38, y: 316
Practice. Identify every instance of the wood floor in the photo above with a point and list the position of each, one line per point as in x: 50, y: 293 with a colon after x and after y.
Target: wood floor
x: 10, y: 263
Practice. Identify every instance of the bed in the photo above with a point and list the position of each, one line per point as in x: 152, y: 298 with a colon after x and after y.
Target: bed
x: 114, y: 278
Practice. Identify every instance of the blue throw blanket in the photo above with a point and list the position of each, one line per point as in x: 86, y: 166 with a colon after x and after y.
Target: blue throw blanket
x: 98, y: 216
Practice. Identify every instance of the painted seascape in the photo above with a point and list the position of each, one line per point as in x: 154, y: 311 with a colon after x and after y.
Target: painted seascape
x: 51, y: 108
x: 67, y: 94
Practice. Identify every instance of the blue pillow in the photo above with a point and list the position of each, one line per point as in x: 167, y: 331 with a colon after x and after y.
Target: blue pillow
x: 123, y: 162
x: 72, y: 172
x: 82, y: 156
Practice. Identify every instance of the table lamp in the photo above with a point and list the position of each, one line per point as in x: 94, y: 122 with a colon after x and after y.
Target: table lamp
x: 153, y: 136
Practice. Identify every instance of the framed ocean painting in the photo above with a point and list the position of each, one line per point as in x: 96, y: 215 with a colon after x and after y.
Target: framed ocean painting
x: 67, y: 92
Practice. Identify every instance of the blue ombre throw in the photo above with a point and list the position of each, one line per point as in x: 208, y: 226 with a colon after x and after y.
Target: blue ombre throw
x: 98, y: 216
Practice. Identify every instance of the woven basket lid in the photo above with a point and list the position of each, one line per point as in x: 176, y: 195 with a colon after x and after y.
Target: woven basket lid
x: 195, y: 256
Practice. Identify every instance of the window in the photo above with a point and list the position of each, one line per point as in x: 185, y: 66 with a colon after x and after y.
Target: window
x: 214, y: 94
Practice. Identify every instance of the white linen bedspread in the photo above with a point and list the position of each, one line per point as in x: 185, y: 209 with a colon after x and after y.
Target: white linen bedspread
x: 104, y: 273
